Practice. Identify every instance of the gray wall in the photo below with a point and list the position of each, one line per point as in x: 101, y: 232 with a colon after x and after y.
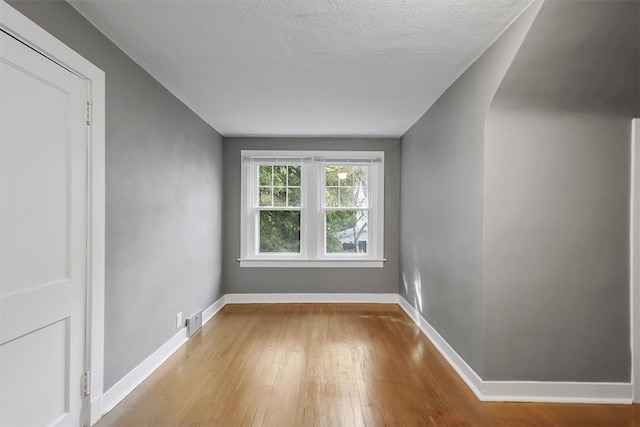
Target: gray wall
x: 442, y: 170
x: 310, y: 280
x: 556, y: 234
x: 163, y: 198
x: 519, y: 174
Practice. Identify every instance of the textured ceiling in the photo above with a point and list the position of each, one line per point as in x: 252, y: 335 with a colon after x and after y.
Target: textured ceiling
x: 304, y: 67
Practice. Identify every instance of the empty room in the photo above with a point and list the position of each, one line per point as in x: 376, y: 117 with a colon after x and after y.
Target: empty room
x: 319, y: 213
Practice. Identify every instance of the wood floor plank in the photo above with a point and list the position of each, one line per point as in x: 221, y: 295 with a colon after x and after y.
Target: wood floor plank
x: 326, y: 365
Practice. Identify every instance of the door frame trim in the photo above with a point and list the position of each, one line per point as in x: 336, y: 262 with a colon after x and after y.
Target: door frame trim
x: 25, y: 30
x: 634, y: 259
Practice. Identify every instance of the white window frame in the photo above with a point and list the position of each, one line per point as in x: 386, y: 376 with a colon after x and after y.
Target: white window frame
x: 312, y: 218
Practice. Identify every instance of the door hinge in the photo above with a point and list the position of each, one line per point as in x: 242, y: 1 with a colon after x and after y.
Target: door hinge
x: 89, y: 114
x: 86, y: 381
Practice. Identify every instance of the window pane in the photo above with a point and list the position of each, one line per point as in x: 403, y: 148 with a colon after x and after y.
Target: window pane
x: 346, y: 186
x: 346, y: 197
x: 275, y: 185
x: 361, y: 197
x: 279, y: 231
x: 294, y: 176
x: 331, y: 197
x: 279, y: 175
x: 264, y: 175
x: 331, y: 176
x: 346, y: 231
x: 280, y: 185
x: 279, y: 196
x: 345, y: 176
x: 294, y: 197
x: 360, y: 178
x: 265, y: 196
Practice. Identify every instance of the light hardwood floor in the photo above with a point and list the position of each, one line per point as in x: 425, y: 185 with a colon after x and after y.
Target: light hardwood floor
x: 326, y: 365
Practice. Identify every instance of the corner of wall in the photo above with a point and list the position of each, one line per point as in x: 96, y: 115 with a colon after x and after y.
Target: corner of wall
x: 516, y: 33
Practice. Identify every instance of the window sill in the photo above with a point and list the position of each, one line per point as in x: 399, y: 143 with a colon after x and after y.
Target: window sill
x: 306, y: 263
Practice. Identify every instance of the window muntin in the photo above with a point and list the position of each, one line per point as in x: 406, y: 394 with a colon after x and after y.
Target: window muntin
x: 346, y: 185
x: 279, y: 185
x: 315, y: 208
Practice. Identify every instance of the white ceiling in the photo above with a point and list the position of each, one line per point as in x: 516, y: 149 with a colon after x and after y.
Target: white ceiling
x: 304, y: 67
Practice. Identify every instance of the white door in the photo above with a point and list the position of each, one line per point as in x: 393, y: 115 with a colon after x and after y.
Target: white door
x: 43, y: 169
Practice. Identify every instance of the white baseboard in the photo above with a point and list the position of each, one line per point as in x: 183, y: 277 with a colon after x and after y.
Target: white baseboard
x: 310, y: 298
x: 556, y: 392
x: 133, y: 379
x: 213, y: 309
x: 468, y: 375
x: 521, y: 391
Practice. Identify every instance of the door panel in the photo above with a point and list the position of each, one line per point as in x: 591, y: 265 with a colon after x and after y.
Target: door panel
x: 44, y: 383
x: 43, y: 160
x: 40, y: 167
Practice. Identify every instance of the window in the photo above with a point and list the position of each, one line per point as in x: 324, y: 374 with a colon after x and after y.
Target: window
x: 279, y: 208
x: 321, y: 209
